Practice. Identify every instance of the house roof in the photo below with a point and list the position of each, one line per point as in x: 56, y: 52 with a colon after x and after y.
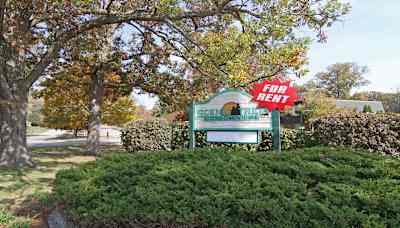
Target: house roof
x: 376, y: 106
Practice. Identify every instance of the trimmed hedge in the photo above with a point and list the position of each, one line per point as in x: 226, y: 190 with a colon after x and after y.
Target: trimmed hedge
x: 157, y: 134
x: 147, y: 135
x: 376, y: 132
x: 316, y: 187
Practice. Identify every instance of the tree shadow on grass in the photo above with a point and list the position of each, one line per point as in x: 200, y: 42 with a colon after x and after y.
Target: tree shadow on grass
x: 17, y: 186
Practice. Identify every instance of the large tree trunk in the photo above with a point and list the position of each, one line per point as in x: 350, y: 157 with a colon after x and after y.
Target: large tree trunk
x: 96, y: 99
x: 14, y: 151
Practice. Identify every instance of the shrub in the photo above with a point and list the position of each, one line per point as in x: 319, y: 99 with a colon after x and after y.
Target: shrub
x: 316, y: 187
x: 367, y: 108
x: 11, y: 221
x: 152, y: 134
x: 377, y: 132
x: 158, y: 134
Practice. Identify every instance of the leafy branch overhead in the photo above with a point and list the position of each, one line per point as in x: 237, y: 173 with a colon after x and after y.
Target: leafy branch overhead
x: 34, y: 32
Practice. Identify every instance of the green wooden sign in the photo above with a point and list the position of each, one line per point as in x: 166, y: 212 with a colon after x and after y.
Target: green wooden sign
x: 232, y: 117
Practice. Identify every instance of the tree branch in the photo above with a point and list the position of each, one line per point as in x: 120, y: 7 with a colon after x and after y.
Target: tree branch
x: 54, y: 49
x: 279, y: 70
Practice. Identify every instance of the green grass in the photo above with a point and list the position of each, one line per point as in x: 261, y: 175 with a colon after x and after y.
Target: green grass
x: 21, y: 190
x: 317, y: 187
x: 16, y: 186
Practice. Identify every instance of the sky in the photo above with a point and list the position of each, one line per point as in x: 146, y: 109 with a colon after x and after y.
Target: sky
x: 368, y: 36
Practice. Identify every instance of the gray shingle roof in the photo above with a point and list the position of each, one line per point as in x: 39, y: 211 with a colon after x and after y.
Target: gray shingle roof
x: 376, y: 106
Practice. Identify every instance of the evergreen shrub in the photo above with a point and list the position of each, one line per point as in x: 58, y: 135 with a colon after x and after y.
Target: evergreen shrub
x: 313, y: 187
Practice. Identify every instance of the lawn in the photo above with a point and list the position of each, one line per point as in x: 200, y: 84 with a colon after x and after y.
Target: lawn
x: 21, y: 189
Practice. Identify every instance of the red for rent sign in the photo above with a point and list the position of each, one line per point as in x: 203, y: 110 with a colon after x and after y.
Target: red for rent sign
x: 274, y: 95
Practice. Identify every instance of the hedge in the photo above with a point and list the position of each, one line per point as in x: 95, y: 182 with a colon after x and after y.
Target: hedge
x: 317, y: 187
x: 375, y: 132
x: 157, y: 134
x: 147, y: 135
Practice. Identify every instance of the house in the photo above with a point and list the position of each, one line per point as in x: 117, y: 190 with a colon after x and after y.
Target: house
x: 357, y: 105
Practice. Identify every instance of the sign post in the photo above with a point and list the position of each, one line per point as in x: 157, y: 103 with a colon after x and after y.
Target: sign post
x: 192, y: 136
x: 276, y: 131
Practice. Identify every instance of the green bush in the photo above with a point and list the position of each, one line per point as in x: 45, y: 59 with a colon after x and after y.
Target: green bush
x: 11, y: 221
x: 367, y: 108
x: 152, y: 134
x: 157, y: 134
x: 376, y: 132
x: 317, y: 187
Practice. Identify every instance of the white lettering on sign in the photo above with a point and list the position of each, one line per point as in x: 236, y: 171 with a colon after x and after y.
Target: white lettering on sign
x: 275, y: 98
x: 268, y: 97
x: 268, y: 88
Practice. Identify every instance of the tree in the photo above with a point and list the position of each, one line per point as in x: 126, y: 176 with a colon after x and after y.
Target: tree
x: 317, y: 104
x: 117, y: 113
x: 67, y: 95
x: 34, y: 34
x: 340, y: 78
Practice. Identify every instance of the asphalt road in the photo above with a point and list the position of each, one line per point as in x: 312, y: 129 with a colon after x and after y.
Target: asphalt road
x: 58, y: 138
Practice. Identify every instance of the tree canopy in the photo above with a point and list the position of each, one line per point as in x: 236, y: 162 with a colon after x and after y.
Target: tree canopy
x: 34, y: 35
x: 66, y: 99
x: 340, y: 79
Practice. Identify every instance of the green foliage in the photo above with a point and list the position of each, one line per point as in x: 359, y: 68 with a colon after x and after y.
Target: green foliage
x: 316, y: 187
x: 154, y: 134
x: 119, y: 112
x: 318, y: 104
x: 5, y: 217
x: 157, y: 134
x: 367, y: 108
x: 376, y: 132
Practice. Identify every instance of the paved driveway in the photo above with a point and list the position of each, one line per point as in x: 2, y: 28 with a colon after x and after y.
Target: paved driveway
x: 58, y: 138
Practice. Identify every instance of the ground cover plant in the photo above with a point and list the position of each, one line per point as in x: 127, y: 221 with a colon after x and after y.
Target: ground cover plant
x: 314, y: 187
